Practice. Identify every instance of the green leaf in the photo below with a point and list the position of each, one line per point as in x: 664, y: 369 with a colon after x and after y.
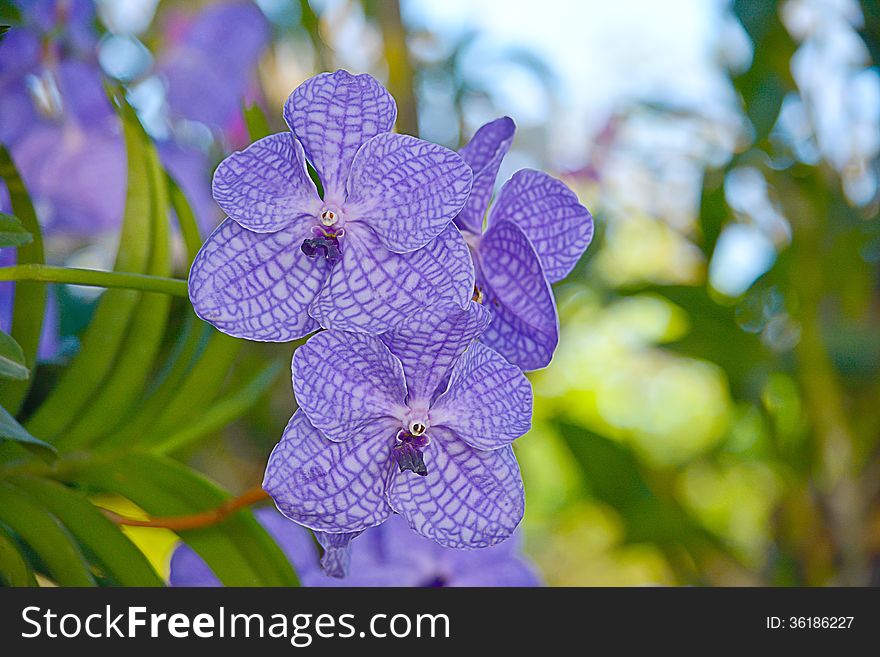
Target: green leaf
x: 117, y: 554
x: 105, y: 335
x: 615, y: 477
x: 222, y: 412
x: 199, y: 388
x: 10, y: 429
x: 10, y: 12
x: 182, y: 396
x: 124, y: 386
x: 46, y: 536
x: 714, y: 335
x: 768, y: 80
x: 12, y: 233
x: 256, y: 121
x: 713, y: 211
x: 190, y: 346
x: 238, y: 550
x: 14, y: 568
x: 610, y: 470
x: 12, y: 364
x: 30, y: 296
x: 186, y: 219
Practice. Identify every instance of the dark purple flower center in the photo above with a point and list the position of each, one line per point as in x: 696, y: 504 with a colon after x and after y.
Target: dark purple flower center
x: 408, y: 451
x: 325, y: 244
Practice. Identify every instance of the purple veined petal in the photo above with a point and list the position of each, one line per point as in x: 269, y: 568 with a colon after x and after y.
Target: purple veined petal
x: 550, y: 215
x: 470, y: 498
x: 333, y: 114
x: 484, y: 153
x: 337, y: 552
x: 525, y: 327
x: 406, y: 189
x: 488, y: 402
x: 429, y: 342
x: 331, y: 486
x: 256, y: 286
x: 372, y: 290
x: 344, y: 381
x: 266, y: 187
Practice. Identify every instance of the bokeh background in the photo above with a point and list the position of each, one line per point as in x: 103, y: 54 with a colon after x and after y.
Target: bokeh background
x: 712, y: 415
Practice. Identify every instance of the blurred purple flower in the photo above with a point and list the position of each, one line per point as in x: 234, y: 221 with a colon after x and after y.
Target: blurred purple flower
x: 210, y: 62
x: 388, y: 555
x: 419, y: 422
x: 59, y: 127
x: 189, y: 167
x: 57, y: 121
x: 209, y: 66
x: 62, y: 131
x: 536, y: 232
x: 393, y: 555
x: 376, y: 248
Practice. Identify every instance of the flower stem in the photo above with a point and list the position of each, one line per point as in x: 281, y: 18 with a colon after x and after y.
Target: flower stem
x: 74, y: 276
x: 196, y: 520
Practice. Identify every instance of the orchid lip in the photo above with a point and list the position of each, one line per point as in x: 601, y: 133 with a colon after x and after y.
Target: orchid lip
x: 325, y: 243
x: 408, y: 452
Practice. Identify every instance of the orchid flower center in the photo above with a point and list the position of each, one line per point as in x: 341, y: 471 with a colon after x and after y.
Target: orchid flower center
x: 326, y: 235
x: 408, y: 451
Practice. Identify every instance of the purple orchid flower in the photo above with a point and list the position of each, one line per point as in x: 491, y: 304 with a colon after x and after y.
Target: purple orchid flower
x: 536, y: 232
x: 418, y: 422
x: 388, y: 555
x: 376, y: 248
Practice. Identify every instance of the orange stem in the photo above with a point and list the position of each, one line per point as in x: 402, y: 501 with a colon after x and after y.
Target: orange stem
x: 196, y: 520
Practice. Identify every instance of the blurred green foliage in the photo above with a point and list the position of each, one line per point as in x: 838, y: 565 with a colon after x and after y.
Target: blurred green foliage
x: 763, y: 469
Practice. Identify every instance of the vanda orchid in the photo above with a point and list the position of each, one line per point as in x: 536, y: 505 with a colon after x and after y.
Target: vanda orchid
x: 419, y: 423
x: 536, y: 232
x: 377, y: 246
x: 410, y: 401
